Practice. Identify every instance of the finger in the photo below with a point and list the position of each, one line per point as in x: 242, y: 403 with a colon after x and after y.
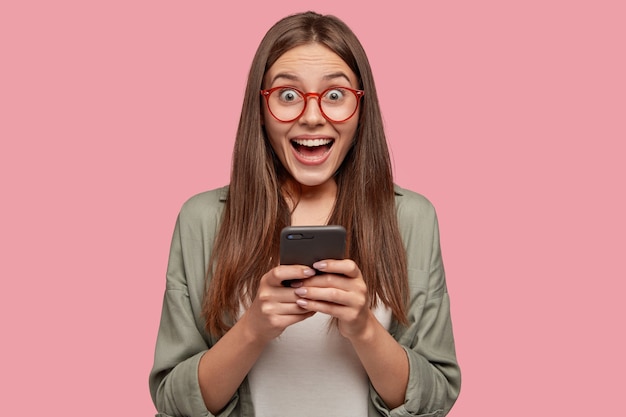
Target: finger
x: 285, y: 309
x: 346, y: 267
x: 272, y: 325
x: 268, y: 295
x: 340, y: 282
x: 356, y: 297
x: 335, y: 281
x: 292, y: 283
x: 274, y: 301
x: 288, y: 273
x: 334, y: 310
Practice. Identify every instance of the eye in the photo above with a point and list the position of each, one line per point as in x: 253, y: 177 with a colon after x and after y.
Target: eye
x: 335, y: 95
x: 288, y: 95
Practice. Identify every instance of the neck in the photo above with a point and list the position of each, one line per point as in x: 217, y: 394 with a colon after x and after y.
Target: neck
x: 311, y: 205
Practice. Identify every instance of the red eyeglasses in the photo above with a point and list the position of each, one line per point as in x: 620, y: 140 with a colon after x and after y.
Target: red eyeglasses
x: 337, y: 104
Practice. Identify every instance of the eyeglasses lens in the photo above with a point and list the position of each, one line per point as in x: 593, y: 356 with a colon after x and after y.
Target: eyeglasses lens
x: 337, y: 104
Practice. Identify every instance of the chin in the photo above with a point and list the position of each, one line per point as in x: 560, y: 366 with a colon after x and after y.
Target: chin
x: 311, y: 181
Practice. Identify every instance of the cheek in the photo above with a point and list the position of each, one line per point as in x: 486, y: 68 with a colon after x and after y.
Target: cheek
x: 350, y: 131
x: 275, y: 133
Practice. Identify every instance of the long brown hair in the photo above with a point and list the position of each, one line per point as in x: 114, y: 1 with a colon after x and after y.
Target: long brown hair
x: 246, y: 245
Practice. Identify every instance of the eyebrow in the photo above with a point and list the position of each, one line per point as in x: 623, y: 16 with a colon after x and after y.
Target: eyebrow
x: 292, y: 77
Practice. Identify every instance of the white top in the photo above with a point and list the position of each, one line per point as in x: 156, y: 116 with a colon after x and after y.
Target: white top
x: 311, y: 370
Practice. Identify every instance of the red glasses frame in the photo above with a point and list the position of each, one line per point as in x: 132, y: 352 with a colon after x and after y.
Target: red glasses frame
x: 318, y: 96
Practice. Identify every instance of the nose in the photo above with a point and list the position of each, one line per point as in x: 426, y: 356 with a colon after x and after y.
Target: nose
x: 312, y: 114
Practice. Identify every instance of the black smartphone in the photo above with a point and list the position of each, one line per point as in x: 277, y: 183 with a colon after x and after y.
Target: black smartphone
x: 305, y: 245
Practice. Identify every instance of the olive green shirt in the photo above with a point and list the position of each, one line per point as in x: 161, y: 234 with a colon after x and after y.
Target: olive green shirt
x: 434, y: 378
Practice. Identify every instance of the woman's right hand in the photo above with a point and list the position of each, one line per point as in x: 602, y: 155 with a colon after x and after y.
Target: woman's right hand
x: 223, y: 367
x: 274, y: 307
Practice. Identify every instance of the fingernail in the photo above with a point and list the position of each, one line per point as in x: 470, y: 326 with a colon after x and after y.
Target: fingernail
x: 308, y: 272
x: 301, y: 302
x: 300, y: 291
x: 319, y: 265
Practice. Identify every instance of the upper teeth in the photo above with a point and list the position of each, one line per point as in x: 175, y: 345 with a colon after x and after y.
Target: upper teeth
x: 312, y: 142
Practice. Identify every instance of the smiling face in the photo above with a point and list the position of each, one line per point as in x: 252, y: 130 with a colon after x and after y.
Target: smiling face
x: 311, y: 148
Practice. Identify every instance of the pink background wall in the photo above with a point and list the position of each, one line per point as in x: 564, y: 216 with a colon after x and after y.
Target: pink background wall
x: 509, y: 116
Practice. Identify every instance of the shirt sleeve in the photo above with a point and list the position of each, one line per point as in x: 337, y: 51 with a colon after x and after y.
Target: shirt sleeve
x: 434, y: 373
x: 181, y: 340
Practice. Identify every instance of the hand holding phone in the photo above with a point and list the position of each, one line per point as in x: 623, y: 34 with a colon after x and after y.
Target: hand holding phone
x: 305, y: 245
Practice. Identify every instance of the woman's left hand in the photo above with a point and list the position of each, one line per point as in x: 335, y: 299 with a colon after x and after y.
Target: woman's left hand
x: 340, y: 292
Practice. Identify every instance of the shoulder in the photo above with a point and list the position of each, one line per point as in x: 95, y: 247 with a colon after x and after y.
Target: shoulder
x: 205, y: 203
x: 201, y: 214
x: 419, y: 231
x: 412, y: 205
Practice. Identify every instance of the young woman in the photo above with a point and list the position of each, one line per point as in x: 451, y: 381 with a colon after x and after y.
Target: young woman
x: 369, y: 335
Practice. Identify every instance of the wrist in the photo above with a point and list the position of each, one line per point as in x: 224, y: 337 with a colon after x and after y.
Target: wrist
x: 367, y: 333
x: 249, y: 332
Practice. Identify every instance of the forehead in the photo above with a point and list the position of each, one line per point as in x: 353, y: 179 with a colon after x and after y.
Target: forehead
x: 310, y: 63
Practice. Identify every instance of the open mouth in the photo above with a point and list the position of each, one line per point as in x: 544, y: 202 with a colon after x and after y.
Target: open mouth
x: 312, y: 148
